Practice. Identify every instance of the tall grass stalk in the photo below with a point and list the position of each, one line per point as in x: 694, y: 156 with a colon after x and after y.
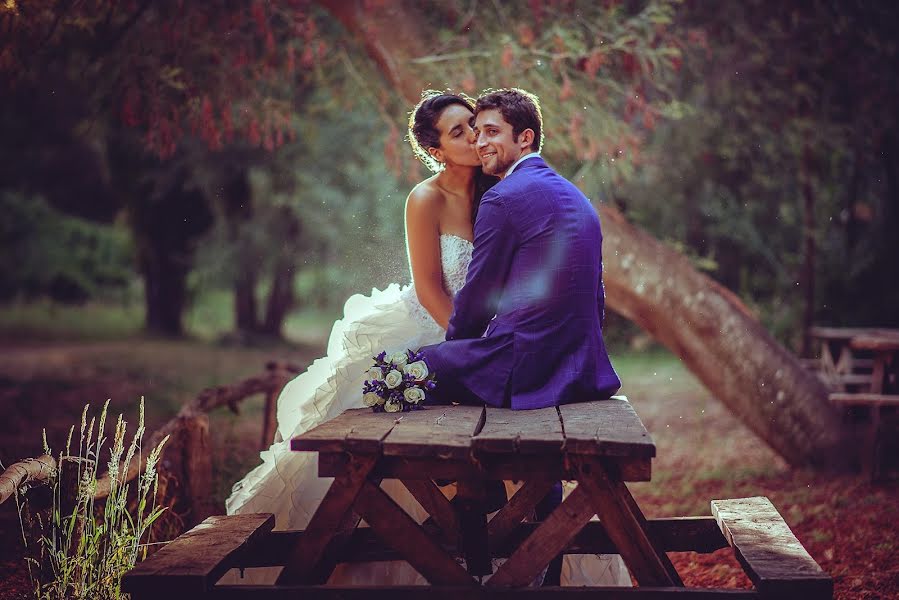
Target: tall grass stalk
x: 85, y: 549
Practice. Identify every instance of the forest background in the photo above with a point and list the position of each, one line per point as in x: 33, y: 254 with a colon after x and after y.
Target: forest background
x: 194, y: 186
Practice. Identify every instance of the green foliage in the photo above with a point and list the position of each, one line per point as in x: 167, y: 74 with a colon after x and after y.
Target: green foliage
x: 45, y: 253
x: 86, y: 548
x: 782, y: 116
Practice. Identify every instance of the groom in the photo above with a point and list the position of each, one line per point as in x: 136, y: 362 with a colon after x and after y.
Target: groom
x: 526, y: 329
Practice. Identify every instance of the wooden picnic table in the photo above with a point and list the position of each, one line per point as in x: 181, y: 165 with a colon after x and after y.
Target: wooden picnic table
x: 600, y: 445
x: 861, y: 365
x: 884, y: 346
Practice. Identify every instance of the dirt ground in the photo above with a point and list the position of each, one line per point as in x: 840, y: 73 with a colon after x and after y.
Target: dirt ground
x: 846, y: 523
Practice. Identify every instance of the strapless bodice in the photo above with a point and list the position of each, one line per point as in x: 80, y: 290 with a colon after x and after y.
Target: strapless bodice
x: 455, y: 255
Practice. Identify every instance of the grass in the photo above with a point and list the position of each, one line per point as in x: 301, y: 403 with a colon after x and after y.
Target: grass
x: 210, y: 318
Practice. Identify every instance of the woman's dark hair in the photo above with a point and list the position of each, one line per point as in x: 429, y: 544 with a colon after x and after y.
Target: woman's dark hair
x: 423, y: 132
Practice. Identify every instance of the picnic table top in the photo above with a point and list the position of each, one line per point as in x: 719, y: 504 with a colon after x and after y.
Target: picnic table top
x: 848, y: 333
x: 609, y: 428
x: 884, y: 340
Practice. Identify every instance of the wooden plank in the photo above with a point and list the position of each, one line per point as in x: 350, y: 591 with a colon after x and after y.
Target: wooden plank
x: 437, y: 431
x: 675, y: 534
x: 486, y: 466
x: 330, y: 517
x: 437, y: 505
x: 420, y: 592
x: 612, y: 503
x: 546, y: 542
x: 508, y: 431
x: 516, y: 509
x: 845, y: 333
x: 862, y: 399
x: 773, y: 558
x: 398, y: 530
x: 195, y: 560
x: 355, y: 430
x: 605, y: 428
x: 882, y: 341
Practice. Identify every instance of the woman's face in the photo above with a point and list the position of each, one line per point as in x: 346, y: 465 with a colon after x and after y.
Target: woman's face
x: 456, y: 137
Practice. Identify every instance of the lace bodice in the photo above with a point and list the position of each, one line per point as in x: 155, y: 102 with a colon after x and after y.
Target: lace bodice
x: 455, y: 254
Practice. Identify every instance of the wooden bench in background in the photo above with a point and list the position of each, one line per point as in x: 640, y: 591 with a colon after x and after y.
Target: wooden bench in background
x: 861, y: 368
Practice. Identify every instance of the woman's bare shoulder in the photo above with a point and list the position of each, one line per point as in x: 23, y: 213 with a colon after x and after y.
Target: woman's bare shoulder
x: 426, y: 195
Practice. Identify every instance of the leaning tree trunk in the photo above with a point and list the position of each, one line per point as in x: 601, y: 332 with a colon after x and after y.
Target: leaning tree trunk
x: 712, y: 332
x: 656, y: 287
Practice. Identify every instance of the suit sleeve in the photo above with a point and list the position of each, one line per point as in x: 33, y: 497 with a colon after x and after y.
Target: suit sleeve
x: 495, y: 242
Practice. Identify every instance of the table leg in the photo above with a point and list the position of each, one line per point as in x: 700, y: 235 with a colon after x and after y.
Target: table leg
x: 549, y: 539
x: 330, y: 517
x: 613, y: 503
x: 510, y: 516
x: 436, y: 504
x: 397, y: 529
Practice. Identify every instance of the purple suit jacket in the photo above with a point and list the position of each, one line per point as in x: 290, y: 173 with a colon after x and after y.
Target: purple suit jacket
x: 526, y: 329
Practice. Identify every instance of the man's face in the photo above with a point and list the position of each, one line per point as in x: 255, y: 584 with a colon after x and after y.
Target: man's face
x: 497, y: 147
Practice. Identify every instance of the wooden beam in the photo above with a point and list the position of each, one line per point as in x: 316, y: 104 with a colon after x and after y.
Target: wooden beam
x: 624, y: 526
x: 774, y: 559
x: 195, y: 560
x: 485, y: 466
x: 546, y: 542
x: 398, y: 530
x: 676, y: 534
x: 330, y: 517
x: 421, y: 592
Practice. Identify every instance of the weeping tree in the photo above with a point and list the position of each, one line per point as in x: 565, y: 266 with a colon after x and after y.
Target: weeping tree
x: 606, y: 72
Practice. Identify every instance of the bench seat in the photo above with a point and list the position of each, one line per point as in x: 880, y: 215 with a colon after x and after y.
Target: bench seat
x: 193, y: 563
x: 772, y: 557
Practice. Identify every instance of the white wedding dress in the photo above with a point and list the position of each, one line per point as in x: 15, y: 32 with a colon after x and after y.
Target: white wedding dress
x: 287, y: 482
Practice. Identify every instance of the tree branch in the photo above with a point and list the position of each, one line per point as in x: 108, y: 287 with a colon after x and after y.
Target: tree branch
x: 23, y: 472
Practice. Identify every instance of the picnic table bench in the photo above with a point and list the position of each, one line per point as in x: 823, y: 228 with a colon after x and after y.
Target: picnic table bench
x: 600, y: 445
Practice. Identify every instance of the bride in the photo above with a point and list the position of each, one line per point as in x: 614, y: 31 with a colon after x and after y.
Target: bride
x: 439, y: 228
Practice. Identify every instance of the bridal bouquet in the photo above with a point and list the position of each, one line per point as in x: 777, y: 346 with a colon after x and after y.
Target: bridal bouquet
x: 397, y: 383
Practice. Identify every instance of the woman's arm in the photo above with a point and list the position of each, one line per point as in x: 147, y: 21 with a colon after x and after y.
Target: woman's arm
x: 423, y: 245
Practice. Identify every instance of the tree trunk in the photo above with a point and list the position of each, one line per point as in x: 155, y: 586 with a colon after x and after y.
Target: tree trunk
x: 165, y: 290
x: 717, y: 338
x: 245, y: 312
x: 280, y: 299
x: 238, y: 201
x: 656, y: 287
x: 808, y: 256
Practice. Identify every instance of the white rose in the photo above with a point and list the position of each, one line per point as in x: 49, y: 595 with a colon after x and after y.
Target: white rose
x: 414, y: 395
x: 399, y: 358
x: 392, y: 406
x: 371, y: 399
x: 393, y: 379
x: 375, y: 374
x: 418, y: 370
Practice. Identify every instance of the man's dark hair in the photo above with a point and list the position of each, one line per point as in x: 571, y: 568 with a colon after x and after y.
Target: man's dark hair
x: 519, y: 108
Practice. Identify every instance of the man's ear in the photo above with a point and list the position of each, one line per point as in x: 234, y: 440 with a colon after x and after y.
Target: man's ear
x: 526, y: 138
